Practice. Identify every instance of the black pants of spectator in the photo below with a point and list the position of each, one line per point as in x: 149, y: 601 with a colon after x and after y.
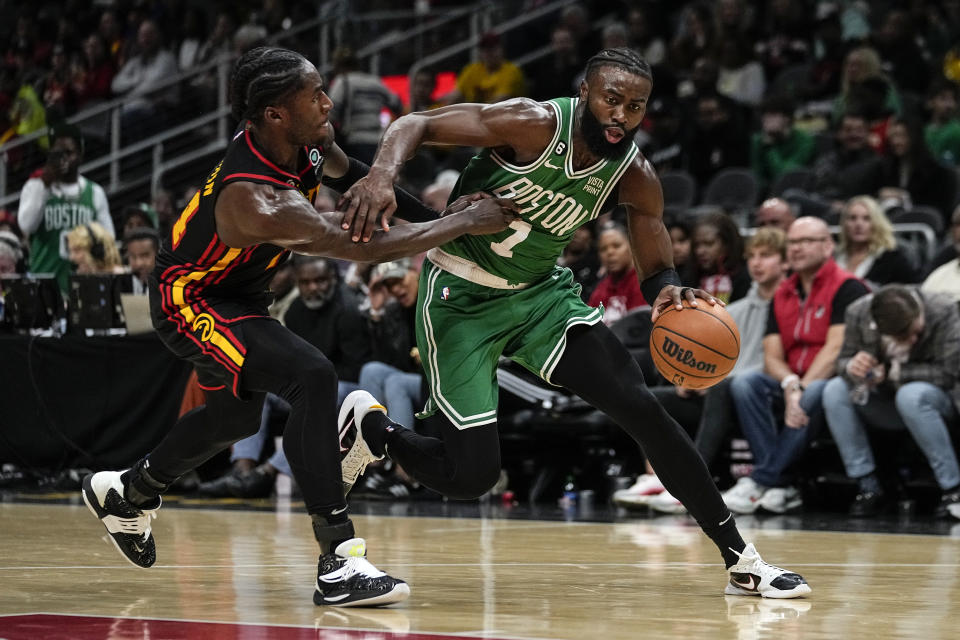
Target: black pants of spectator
x: 280, y: 362
x: 598, y: 368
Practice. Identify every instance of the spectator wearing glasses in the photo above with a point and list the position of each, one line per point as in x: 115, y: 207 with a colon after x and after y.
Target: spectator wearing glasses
x: 804, y: 333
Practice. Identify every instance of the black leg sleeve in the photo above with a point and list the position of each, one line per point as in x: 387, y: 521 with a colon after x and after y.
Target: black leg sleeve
x: 283, y: 363
x: 202, y: 433
x: 278, y: 361
x: 598, y: 368
x: 461, y: 464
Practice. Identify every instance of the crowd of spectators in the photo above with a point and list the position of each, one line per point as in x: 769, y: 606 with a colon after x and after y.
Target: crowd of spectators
x: 855, y: 103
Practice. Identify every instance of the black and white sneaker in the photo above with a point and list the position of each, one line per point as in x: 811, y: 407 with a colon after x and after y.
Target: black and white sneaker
x: 354, y: 451
x: 345, y: 578
x: 128, y: 526
x: 751, y: 576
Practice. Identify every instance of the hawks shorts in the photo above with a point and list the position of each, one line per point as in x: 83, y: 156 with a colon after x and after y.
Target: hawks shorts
x: 463, y: 328
x: 211, y: 334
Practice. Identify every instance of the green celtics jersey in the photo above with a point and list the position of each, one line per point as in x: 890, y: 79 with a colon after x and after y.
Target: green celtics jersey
x: 48, y: 244
x: 553, y: 198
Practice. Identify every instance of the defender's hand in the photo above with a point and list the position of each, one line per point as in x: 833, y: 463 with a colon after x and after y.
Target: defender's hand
x: 463, y: 202
x: 370, y: 197
x: 671, y: 295
x: 490, y: 215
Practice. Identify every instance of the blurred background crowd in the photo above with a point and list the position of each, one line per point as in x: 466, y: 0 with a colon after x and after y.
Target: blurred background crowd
x: 791, y: 136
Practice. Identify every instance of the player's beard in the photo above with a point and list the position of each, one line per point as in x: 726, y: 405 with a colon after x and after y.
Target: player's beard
x: 597, y: 143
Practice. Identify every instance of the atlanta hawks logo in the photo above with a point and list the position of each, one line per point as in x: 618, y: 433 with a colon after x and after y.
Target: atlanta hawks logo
x: 316, y: 161
x: 203, y: 324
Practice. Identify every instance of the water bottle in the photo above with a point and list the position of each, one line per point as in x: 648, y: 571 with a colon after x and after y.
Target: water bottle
x: 860, y: 393
x: 569, y: 497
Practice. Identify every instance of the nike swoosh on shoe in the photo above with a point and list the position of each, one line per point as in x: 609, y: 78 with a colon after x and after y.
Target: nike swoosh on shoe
x: 749, y: 585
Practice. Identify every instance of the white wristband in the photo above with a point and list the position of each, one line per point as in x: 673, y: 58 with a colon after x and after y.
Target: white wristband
x: 790, y: 381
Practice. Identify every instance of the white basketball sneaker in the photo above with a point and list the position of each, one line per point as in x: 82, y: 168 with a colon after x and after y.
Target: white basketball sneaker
x: 781, y: 500
x: 354, y: 451
x: 345, y: 578
x: 128, y: 525
x: 744, y: 497
x: 664, y: 502
x: 646, y: 486
x: 751, y: 576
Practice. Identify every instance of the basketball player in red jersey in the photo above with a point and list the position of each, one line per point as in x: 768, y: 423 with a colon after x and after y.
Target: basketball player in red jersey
x: 209, y: 298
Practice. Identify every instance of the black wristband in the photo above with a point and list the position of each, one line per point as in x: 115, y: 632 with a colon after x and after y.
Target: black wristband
x: 651, y: 286
x: 355, y: 171
x: 408, y: 207
x: 412, y: 209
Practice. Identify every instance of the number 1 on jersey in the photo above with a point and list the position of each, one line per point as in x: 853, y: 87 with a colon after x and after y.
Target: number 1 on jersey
x: 521, y: 230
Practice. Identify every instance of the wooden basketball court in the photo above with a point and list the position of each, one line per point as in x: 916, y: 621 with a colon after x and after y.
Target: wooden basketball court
x: 249, y: 574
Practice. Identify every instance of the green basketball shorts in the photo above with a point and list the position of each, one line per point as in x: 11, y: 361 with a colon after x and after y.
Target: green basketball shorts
x: 463, y: 328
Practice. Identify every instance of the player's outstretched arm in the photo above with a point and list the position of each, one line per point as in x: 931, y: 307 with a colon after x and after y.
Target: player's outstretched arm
x: 650, y: 242
x: 520, y: 124
x: 249, y: 213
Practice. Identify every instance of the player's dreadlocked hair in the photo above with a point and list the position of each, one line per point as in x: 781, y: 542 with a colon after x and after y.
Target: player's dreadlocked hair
x: 261, y: 77
x: 623, y: 58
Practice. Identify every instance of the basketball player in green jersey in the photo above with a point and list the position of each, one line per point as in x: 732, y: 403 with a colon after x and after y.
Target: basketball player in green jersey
x: 483, y: 296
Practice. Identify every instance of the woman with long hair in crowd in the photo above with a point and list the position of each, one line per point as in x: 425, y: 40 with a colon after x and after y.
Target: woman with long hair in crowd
x: 867, y: 247
x: 93, y: 250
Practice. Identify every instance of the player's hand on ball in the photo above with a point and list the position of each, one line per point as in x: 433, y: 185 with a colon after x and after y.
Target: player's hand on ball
x: 672, y: 295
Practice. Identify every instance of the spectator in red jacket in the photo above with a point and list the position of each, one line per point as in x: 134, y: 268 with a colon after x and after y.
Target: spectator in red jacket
x: 619, y: 290
x: 800, y: 347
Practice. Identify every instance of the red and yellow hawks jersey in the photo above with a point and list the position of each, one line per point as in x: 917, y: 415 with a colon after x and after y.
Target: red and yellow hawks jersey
x: 193, y: 262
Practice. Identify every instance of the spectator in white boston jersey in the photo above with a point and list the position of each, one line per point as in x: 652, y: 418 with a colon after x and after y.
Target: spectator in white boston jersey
x: 56, y: 201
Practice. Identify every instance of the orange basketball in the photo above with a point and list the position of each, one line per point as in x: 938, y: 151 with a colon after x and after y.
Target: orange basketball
x: 696, y: 347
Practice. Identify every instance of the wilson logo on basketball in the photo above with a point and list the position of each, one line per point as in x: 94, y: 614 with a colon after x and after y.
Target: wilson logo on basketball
x: 685, y: 357
x: 203, y: 324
